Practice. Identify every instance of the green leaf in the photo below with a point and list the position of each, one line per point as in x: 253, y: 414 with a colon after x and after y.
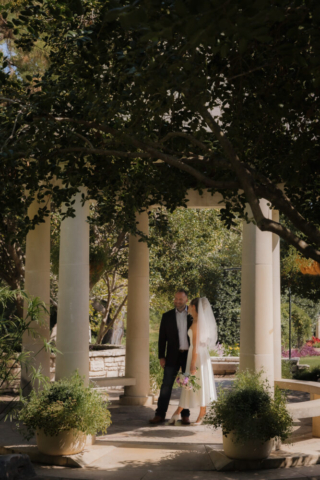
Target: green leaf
x: 243, y: 45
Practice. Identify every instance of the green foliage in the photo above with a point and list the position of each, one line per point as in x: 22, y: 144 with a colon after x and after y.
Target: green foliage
x: 227, y: 306
x: 301, y: 325
x: 156, y: 372
x: 154, y: 321
x: 309, y: 375
x: 249, y: 410
x: 285, y: 369
x: 12, y: 329
x: 305, y: 288
x: 192, y: 249
x: 232, y: 350
x: 129, y: 84
x: 63, y: 405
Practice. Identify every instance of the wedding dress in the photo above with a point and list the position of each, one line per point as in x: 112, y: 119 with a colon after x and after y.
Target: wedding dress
x: 205, y: 378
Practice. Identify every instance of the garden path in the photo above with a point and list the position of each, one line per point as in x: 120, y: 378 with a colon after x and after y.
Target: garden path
x: 134, y: 449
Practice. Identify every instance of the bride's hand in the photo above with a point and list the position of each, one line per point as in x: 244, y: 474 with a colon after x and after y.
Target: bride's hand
x: 193, y: 369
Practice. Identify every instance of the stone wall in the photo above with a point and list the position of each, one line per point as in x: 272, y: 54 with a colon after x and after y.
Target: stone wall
x: 111, y: 363
x: 102, y: 363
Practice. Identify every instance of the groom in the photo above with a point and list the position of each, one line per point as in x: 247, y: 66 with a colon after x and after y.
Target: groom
x: 173, y: 352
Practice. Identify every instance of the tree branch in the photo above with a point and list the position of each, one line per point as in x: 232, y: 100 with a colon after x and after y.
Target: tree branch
x: 98, y: 306
x: 281, y: 202
x: 16, y: 259
x: 83, y: 138
x: 9, y: 100
x: 110, y: 324
x: 153, y: 153
x: 12, y: 133
x: 247, y: 73
x: 283, y: 232
x: 244, y: 176
x: 98, y: 151
x: 187, y: 136
x: 53, y: 302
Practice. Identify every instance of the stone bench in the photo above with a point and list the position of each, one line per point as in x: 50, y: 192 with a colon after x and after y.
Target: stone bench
x: 304, y: 409
x: 103, y: 382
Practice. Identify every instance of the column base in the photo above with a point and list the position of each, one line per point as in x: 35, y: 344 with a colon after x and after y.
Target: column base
x: 91, y: 440
x: 132, y: 400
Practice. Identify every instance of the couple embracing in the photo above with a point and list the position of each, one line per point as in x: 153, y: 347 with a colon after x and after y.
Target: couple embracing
x: 185, y: 338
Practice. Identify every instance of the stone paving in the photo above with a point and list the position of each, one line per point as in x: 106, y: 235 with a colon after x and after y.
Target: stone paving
x: 134, y: 450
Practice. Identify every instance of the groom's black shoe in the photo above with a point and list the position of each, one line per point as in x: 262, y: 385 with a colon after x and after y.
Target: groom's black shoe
x: 185, y: 421
x: 156, y: 419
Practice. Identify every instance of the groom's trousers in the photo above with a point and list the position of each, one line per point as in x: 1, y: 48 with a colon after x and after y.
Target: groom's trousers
x: 169, y: 377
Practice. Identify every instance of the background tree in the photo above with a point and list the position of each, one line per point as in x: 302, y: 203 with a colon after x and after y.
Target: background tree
x: 192, y: 249
x: 301, y: 326
x: 12, y: 244
x: 304, y: 287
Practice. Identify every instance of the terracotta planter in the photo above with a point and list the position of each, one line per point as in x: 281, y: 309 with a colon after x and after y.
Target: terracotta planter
x: 67, y: 442
x: 251, y: 450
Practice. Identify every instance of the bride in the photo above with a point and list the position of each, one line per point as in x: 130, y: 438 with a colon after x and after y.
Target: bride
x: 203, y: 337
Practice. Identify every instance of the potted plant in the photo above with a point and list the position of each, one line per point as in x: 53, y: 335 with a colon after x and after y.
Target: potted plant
x: 62, y: 415
x: 250, y: 416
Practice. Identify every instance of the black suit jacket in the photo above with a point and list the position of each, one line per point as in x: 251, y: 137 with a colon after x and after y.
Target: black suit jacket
x: 169, y: 338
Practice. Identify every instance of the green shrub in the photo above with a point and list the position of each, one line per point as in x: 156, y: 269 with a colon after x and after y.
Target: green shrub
x: 64, y: 405
x: 308, y: 375
x: 301, y: 326
x: 12, y: 330
x: 156, y: 372
x: 286, y: 369
x: 226, y: 300
x: 250, y: 411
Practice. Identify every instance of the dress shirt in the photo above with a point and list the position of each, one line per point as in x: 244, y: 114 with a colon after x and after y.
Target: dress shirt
x: 182, y: 329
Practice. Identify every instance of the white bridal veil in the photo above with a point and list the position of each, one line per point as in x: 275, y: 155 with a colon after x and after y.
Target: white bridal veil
x: 207, y: 327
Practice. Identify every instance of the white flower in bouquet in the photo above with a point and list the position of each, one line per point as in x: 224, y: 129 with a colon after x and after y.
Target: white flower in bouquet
x: 187, y: 381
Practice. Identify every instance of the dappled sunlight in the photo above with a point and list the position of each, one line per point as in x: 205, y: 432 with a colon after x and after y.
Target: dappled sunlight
x: 158, y: 457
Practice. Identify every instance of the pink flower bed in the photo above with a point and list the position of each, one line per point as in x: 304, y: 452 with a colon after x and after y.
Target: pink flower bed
x: 305, y: 351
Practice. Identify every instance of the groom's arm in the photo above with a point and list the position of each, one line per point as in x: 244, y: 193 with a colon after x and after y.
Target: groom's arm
x: 162, y: 343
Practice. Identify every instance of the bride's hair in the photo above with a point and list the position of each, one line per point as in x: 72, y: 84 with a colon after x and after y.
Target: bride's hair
x: 195, y: 302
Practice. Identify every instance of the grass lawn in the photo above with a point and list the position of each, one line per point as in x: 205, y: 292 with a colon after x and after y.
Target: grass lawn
x: 312, y: 361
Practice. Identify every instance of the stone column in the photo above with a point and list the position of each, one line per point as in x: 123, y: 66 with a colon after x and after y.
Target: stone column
x: 256, y: 328
x: 276, y: 301
x: 37, y: 284
x: 137, y: 341
x: 73, y: 296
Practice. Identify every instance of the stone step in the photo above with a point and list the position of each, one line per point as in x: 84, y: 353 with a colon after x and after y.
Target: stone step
x: 225, y: 359
x: 102, y: 382
x: 220, y: 368
x: 79, y: 460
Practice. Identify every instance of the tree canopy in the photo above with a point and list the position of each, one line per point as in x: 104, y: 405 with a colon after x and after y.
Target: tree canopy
x: 144, y: 100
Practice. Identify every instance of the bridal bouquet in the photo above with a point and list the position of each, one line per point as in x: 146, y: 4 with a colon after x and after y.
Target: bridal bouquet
x: 188, y: 381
